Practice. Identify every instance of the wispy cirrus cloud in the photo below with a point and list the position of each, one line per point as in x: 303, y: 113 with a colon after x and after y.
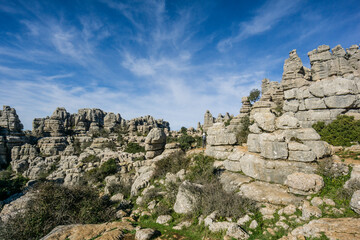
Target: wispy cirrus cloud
x: 265, y: 18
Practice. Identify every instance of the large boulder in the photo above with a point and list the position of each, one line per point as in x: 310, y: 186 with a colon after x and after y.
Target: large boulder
x: 304, y: 184
x: 265, y: 121
x: 268, y: 193
x: 155, y: 142
x: 355, y: 201
x: 187, y: 197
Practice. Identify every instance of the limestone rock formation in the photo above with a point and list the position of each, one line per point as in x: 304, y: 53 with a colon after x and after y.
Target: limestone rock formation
x: 10, y: 133
x: 155, y: 142
x: 208, y: 120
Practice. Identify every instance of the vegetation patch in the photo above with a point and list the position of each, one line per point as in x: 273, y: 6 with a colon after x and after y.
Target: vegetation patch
x: 344, y: 131
x: 10, y: 183
x: 171, y: 164
x: 133, y: 147
x: 98, y: 174
x: 334, y: 189
x: 91, y: 159
x: 242, y: 134
x: 55, y: 205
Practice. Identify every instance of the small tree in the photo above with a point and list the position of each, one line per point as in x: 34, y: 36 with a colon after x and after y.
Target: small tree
x: 254, y: 95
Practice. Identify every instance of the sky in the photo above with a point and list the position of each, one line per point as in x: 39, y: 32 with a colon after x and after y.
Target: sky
x: 170, y: 59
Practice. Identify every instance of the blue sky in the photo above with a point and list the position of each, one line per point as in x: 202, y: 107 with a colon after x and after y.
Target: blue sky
x: 169, y: 59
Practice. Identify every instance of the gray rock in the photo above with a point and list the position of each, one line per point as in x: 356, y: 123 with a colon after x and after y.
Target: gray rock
x: 142, y: 181
x: 287, y: 122
x: 345, y: 101
x: 253, y: 143
x: 268, y: 193
x: 355, y: 202
x: 302, y: 156
x: 272, y: 171
x: 274, y: 150
x: 163, y: 219
x: 309, y: 211
x: 232, y: 181
x: 304, y: 184
x: 187, y: 197
x: 144, y: 234
x: 265, y: 121
x: 218, y: 135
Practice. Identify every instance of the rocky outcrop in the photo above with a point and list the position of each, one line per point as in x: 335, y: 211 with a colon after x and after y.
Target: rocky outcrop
x: 9, y: 121
x: 155, y: 143
x: 10, y: 133
x: 92, y: 121
x: 329, y: 89
x: 208, y: 120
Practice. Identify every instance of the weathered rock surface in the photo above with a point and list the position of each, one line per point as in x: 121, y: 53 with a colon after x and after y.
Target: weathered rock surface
x: 104, y: 231
x: 355, y: 201
x: 268, y: 193
x: 155, y: 142
x: 333, y: 228
x: 187, y: 197
x: 304, y: 184
x: 218, y: 135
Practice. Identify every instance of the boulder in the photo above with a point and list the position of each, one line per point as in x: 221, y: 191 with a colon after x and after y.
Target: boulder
x: 187, y: 197
x: 304, y: 184
x: 287, y: 122
x: 142, y: 181
x: 144, y: 234
x: 265, y: 121
x: 268, y: 193
x: 355, y: 202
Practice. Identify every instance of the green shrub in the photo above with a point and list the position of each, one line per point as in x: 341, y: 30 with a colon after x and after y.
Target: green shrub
x: 98, y: 174
x: 91, y: 159
x: 254, y: 95
x: 10, y: 184
x: 124, y: 188
x: 55, y: 205
x: 242, y: 134
x: 186, y: 141
x: 100, y: 133
x: 202, y: 169
x: 79, y: 148
x: 110, y: 145
x: 343, y: 131
x: 212, y: 197
x: 134, y: 148
x: 171, y: 164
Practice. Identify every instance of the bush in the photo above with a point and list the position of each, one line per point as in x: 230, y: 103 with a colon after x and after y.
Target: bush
x: 91, y: 159
x: 202, y: 171
x: 98, y: 174
x: 171, y: 164
x: 79, y: 148
x: 241, y: 136
x: 134, y: 148
x: 124, y: 188
x: 186, y: 141
x: 212, y: 197
x: 55, y: 205
x: 10, y: 184
x: 344, y: 131
x: 254, y: 95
